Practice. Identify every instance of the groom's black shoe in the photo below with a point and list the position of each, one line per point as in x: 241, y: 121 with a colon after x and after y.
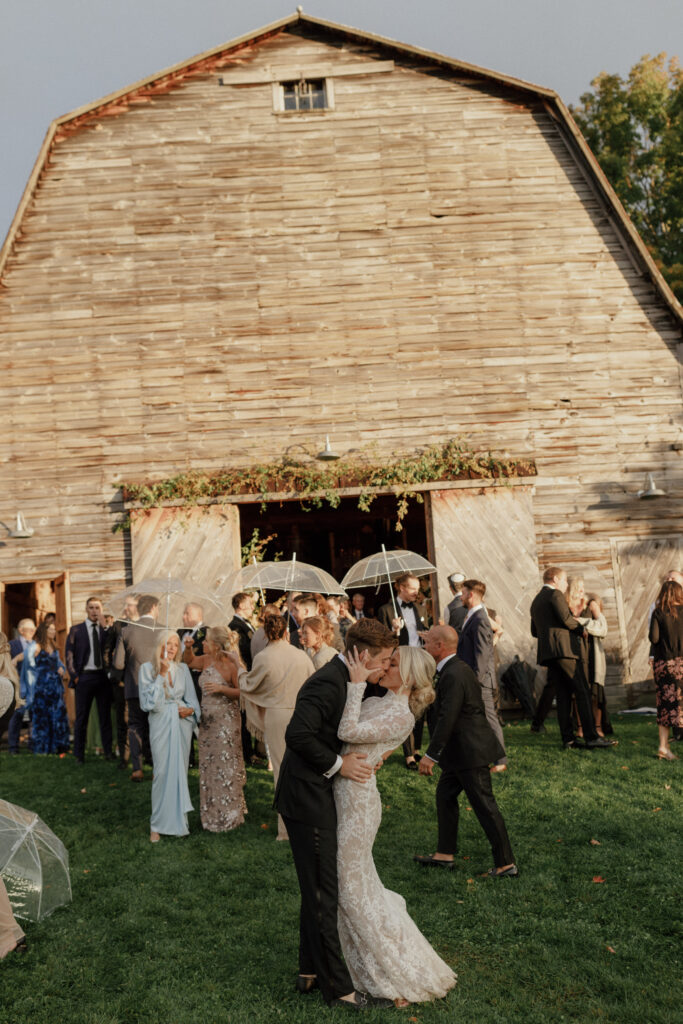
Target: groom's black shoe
x: 304, y: 984
x: 434, y: 862
x: 362, y: 1001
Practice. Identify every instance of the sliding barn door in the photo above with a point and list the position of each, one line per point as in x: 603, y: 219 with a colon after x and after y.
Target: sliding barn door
x: 200, y: 544
x: 489, y: 535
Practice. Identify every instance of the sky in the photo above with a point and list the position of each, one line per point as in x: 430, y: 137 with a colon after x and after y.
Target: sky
x: 57, y: 55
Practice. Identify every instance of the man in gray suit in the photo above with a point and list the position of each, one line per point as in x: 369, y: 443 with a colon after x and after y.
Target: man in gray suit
x: 456, y: 611
x: 135, y: 646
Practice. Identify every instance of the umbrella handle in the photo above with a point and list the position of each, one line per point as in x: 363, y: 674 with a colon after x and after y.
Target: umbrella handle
x: 391, y: 589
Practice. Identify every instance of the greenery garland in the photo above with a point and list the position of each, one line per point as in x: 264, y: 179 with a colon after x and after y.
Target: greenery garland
x: 315, y: 484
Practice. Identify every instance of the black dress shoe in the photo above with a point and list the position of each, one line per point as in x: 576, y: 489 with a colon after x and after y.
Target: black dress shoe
x: 362, y: 1001
x: 600, y: 742
x: 574, y: 745
x: 412, y: 766
x: 304, y: 985
x: 537, y: 728
x: 511, y: 872
x: 434, y: 862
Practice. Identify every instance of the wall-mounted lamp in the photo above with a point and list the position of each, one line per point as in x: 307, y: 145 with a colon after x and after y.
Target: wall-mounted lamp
x: 651, y: 489
x: 327, y: 455
x: 21, y: 529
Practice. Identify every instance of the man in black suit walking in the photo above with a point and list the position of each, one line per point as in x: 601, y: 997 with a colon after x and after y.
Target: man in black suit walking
x: 463, y: 744
x: 475, y: 648
x: 456, y: 610
x: 561, y: 648
x: 305, y: 799
x: 88, y: 676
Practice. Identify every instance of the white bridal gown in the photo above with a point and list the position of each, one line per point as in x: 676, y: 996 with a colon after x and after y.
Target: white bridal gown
x: 385, y: 952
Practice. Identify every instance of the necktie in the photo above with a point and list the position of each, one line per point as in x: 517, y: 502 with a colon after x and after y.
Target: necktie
x: 96, y: 650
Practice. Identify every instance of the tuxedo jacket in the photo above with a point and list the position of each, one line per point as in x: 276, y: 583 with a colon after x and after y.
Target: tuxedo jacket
x: 15, y: 647
x: 559, y: 634
x: 136, y: 645
x: 457, y: 613
x: 461, y: 736
x: 197, y: 650
x: 78, y: 649
x: 475, y: 647
x: 245, y: 633
x: 386, y: 617
x: 303, y: 793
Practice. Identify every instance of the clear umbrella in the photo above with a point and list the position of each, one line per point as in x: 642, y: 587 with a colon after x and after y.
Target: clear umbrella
x: 174, y: 595
x: 291, y: 575
x: 385, y: 566
x: 34, y: 864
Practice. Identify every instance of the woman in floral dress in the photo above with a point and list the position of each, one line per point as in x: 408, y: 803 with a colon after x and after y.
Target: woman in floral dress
x: 666, y: 637
x: 50, y: 723
x: 221, y: 765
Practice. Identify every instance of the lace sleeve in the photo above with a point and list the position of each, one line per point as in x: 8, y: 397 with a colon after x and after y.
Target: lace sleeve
x: 386, y: 726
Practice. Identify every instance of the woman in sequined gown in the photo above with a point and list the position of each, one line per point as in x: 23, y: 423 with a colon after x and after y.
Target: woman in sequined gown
x: 385, y: 952
x: 221, y: 765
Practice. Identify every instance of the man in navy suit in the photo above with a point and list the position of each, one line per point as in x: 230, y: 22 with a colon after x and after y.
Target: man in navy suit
x: 85, y: 665
x: 475, y: 648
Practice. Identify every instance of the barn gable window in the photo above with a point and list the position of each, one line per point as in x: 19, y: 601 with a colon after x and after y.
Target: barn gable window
x: 303, y: 95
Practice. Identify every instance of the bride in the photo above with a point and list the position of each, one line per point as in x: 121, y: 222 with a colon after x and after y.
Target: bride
x: 385, y: 952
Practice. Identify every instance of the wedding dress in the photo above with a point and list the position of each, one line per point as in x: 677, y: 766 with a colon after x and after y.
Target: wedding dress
x: 385, y: 952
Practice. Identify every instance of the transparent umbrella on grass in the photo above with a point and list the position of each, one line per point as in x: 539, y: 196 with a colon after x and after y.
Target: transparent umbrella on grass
x: 174, y: 595
x: 385, y: 566
x: 34, y: 864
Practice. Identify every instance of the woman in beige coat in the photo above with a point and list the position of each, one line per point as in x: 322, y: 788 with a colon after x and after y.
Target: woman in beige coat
x: 269, y: 692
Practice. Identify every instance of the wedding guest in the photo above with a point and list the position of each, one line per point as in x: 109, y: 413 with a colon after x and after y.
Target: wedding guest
x: 316, y: 636
x: 270, y: 691
x: 118, y: 693
x: 666, y: 637
x: 475, y: 648
x: 595, y: 625
x: 221, y: 765
x: 243, y: 607
x: 12, y: 937
x: 288, y: 615
x: 50, y: 723
x: 357, y: 608
x: 167, y: 695
x: 9, y: 685
x: 332, y: 612
x: 88, y: 677
x: 135, y: 646
x: 455, y: 610
x: 22, y: 643
x: 259, y: 640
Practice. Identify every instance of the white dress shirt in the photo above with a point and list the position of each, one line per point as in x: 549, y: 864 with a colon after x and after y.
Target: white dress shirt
x: 409, y: 617
x: 90, y: 665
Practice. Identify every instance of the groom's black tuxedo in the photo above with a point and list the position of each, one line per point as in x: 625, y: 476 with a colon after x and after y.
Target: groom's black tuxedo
x: 305, y: 799
x: 303, y: 793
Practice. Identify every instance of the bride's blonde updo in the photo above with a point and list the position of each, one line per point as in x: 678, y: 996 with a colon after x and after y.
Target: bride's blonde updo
x: 417, y: 669
x: 225, y: 639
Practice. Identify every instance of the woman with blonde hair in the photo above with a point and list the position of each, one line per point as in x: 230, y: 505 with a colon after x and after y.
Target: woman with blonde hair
x: 269, y: 693
x: 167, y: 693
x: 386, y: 954
x: 316, y: 635
x: 221, y: 763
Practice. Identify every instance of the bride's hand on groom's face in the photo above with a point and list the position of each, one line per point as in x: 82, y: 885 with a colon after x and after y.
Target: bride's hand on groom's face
x: 355, y: 767
x: 358, y: 670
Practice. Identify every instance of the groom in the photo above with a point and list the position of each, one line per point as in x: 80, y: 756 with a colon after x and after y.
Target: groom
x: 305, y: 799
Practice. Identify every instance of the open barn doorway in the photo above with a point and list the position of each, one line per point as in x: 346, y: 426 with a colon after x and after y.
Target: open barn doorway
x: 335, y: 538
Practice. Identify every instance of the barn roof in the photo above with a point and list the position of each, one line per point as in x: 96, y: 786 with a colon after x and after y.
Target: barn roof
x: 164, y: 81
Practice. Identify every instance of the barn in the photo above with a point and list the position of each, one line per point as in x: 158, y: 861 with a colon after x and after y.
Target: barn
x: 309, y: 232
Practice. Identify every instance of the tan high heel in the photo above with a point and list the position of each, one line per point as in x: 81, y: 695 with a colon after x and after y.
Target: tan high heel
x: 666, y: 755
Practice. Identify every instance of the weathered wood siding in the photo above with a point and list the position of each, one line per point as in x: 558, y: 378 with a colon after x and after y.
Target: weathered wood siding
x: 199, y: 280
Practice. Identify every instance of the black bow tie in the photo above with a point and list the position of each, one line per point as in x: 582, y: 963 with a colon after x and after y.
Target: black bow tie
x: 407, y: 604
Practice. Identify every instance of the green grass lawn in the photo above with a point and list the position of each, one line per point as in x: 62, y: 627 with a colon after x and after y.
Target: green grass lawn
x: 204, y: 929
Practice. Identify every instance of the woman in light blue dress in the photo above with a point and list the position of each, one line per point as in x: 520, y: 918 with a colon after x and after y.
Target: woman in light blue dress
x: 167, y: 693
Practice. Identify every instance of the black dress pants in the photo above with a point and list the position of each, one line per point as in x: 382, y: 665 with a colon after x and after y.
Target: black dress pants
x: 545, y: 702
x: 92, y: 686
x: 414, y: 741
x: 138, y: 734
x: 315, y: 857
x: 477, y: 785
x: 119, y: 702
x: 569, y: 678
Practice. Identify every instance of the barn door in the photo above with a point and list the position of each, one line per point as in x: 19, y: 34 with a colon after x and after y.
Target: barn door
x: 3, y: 612
x: 62, y: 587
x: 200, y: 544
x: 489, y: 535
x: 639, y: 566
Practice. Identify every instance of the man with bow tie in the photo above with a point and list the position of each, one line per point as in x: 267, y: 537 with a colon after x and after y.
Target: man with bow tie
x: 87, y: 675
x: 411, y: 620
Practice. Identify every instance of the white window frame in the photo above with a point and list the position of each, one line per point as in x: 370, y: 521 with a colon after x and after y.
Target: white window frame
x: 279, y: 97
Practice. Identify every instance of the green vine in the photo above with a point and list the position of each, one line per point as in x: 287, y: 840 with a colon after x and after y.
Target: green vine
x: 315, y: 484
